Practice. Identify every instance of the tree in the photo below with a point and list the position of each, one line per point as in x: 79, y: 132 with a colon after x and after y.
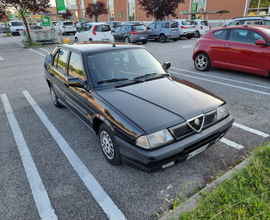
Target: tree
x: 67, y: 14
x: 22, y: 6
x: 3, y: 11
x: 160, y: 8
x: 96, y: 9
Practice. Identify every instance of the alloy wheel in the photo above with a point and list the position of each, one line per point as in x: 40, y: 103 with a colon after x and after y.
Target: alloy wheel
x: 201, y: 62
x: 107, y: 144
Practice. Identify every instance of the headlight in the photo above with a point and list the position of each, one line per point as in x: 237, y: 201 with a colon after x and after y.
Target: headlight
x: 222, y: 112
x: 154, y: 140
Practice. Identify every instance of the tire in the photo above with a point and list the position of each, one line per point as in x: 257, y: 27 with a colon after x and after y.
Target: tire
x: 189, y: 37
x: 162, y: 38
x: 55, y: 98
x: 108, y: 145
x: 144, y: 42
x: 76, y: 40
x: 175, y: 39
x: 202, y: 62
x: 197, y: 34
x: 90, y: 39
x: 179, y: 38
x: 127, y: 41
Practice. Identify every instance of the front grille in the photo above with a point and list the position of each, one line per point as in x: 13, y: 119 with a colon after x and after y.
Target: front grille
x: 210, y: 118
x: 182, y: 131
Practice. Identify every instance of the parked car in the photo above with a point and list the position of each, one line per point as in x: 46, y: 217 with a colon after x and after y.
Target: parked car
x: 143, y: 116
x: 163, y: 30
x: 114, y: 24
x: 35, y: 25
x: 4, y: 28
x: 94, y: 31
x: 186, y: 28
x: 241, y: 48
x: 201, y: 27
x: 130, y: 33
x: 15, y: 27
x: 256, y: 20
x: 66, y: 27
x: 80, y: 24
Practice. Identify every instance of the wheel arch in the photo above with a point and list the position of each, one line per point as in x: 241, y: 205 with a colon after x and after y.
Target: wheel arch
x: 98, y: 120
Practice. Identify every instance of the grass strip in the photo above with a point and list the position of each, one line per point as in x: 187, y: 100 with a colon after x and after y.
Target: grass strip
x: 244, y: 196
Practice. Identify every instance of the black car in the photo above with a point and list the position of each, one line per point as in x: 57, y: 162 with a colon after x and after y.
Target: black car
x: 144, y: 117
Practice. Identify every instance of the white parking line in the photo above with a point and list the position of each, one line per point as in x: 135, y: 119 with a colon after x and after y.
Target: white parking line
x: 37, y: 52
x: 38, y: 190
x: 21, y: 44
x: 90, y: 182
x: 201, y: 74
x: 1, y: 58
x: 225, y: 84
x: 231, y: 143
x: 251, y: 130
x: 187, y: 46
x: 43, y: 49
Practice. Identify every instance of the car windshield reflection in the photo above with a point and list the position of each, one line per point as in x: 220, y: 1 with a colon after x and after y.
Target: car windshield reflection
x: 115, y: 67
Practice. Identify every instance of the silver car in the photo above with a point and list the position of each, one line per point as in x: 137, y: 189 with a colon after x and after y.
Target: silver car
x: 163, y: 30
x: 130, y: 33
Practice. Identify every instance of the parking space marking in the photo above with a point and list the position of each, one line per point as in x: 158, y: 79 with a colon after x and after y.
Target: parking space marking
x: 38, y: 190
x: 217, y: 77
x: 225, y: 84
x: 16, y: 48
x: 88, y: 179
x: 43, y: 49
x: 21, y: 44
x: 231, y: 143
x: 187, y: 46
x: 1, y: 58
x: 254, y: 131
x: 37, y: 52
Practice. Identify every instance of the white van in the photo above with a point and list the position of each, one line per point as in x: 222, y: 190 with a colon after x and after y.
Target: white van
x: 15, y: 27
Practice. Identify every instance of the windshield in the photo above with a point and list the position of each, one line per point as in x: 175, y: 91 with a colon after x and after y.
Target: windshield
x: 115, y: 67
x: 16, y: 23
x: 68, y: 23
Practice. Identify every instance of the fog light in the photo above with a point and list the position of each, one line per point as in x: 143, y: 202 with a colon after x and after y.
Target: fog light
x: 168, y: 165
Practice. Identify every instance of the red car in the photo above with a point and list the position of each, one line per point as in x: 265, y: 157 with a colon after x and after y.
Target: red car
x: 242, y: 48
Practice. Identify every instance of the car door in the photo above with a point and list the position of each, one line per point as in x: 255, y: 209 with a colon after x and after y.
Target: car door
x: 123, y: 32
x: 158, y: 30
x: 241, y: 52
x: 151, y: 30
x: 116, y: 33
x: 58, y: 72
x: 76, y: 97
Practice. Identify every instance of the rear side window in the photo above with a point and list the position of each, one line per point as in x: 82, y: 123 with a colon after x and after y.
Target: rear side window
x: 186, y: 23
x: 60, y: 60
x: 102, y: 28
x: 173, y: 24
x: 266, y: 23
x: 204, y: 23
x: 159, y: 25
x: 138, y: 27
x: 221, y: 35
x: 75, y: 66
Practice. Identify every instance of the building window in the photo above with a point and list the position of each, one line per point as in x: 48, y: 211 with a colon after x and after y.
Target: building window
x: 198, y: 6
x: 111, y: 10
x: 131, y: 10
x: 258, y: 7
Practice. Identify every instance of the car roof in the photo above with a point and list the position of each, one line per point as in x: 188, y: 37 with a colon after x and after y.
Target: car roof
x: 258, y: 27
x: 251, y: 18
x: 94, y: 47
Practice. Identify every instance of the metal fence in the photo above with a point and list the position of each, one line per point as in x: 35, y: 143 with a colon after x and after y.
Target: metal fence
x: 41, y: 36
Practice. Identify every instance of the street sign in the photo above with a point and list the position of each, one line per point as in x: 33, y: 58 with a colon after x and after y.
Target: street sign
x: 193, y: 9
x: 10, y: 16
x: 183, y: 12
x: 45, y: 21
x: 80, y: 20
x: 60, y: 5
x: 84, y: 15
x: 25, y: 13
x: 120, y: 14
x: 38, y: 16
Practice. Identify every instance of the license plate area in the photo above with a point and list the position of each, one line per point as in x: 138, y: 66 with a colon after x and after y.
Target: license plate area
x: 201, y: 149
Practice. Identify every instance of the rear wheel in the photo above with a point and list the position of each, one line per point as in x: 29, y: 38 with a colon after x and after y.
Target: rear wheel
x: 189, y: 37
x: 144, y: 42
x: 162, y: 38
x: 175, y: 39
x: 202, y: 62
x: 127, y: 41
x: 197, y: 34
x: 55, y: 98
x: 108, y: 145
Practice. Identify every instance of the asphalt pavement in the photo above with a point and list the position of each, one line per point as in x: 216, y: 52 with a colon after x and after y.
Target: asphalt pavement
x: 54, y: 137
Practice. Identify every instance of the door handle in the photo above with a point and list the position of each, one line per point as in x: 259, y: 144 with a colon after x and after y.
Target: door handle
x: 52, y: 74
x: 228, y: 46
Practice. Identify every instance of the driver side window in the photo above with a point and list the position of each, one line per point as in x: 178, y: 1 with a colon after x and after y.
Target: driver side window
x: 117, y: 29
x: 152, y: 26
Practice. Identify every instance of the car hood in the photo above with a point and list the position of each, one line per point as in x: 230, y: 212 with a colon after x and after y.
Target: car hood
x: 160, y: 103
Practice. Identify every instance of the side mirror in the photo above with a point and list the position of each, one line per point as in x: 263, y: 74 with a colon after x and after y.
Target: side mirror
x: 260, y: 42
x: 76, y: 82
x: 147, y: 28
x: 113, y: 31
x: 167, y: 65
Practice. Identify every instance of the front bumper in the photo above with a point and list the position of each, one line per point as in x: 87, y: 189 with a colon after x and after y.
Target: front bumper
x: 153, y: 160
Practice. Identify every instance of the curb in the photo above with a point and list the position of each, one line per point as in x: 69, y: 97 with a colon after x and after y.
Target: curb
x: 191, y: 203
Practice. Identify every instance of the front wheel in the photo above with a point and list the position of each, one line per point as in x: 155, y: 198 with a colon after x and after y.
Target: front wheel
x: 162, y: 38
x: 202, y: 62
x: 108, y: 145
x: 127, y: 41
x: 197, y: 34
x: 175, y: 39
x: 144, y: 42
x: 189, y: 37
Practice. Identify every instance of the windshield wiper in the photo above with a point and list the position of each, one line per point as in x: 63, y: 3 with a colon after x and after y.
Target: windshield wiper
x: 144, y: 76
x: 112, y: 80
